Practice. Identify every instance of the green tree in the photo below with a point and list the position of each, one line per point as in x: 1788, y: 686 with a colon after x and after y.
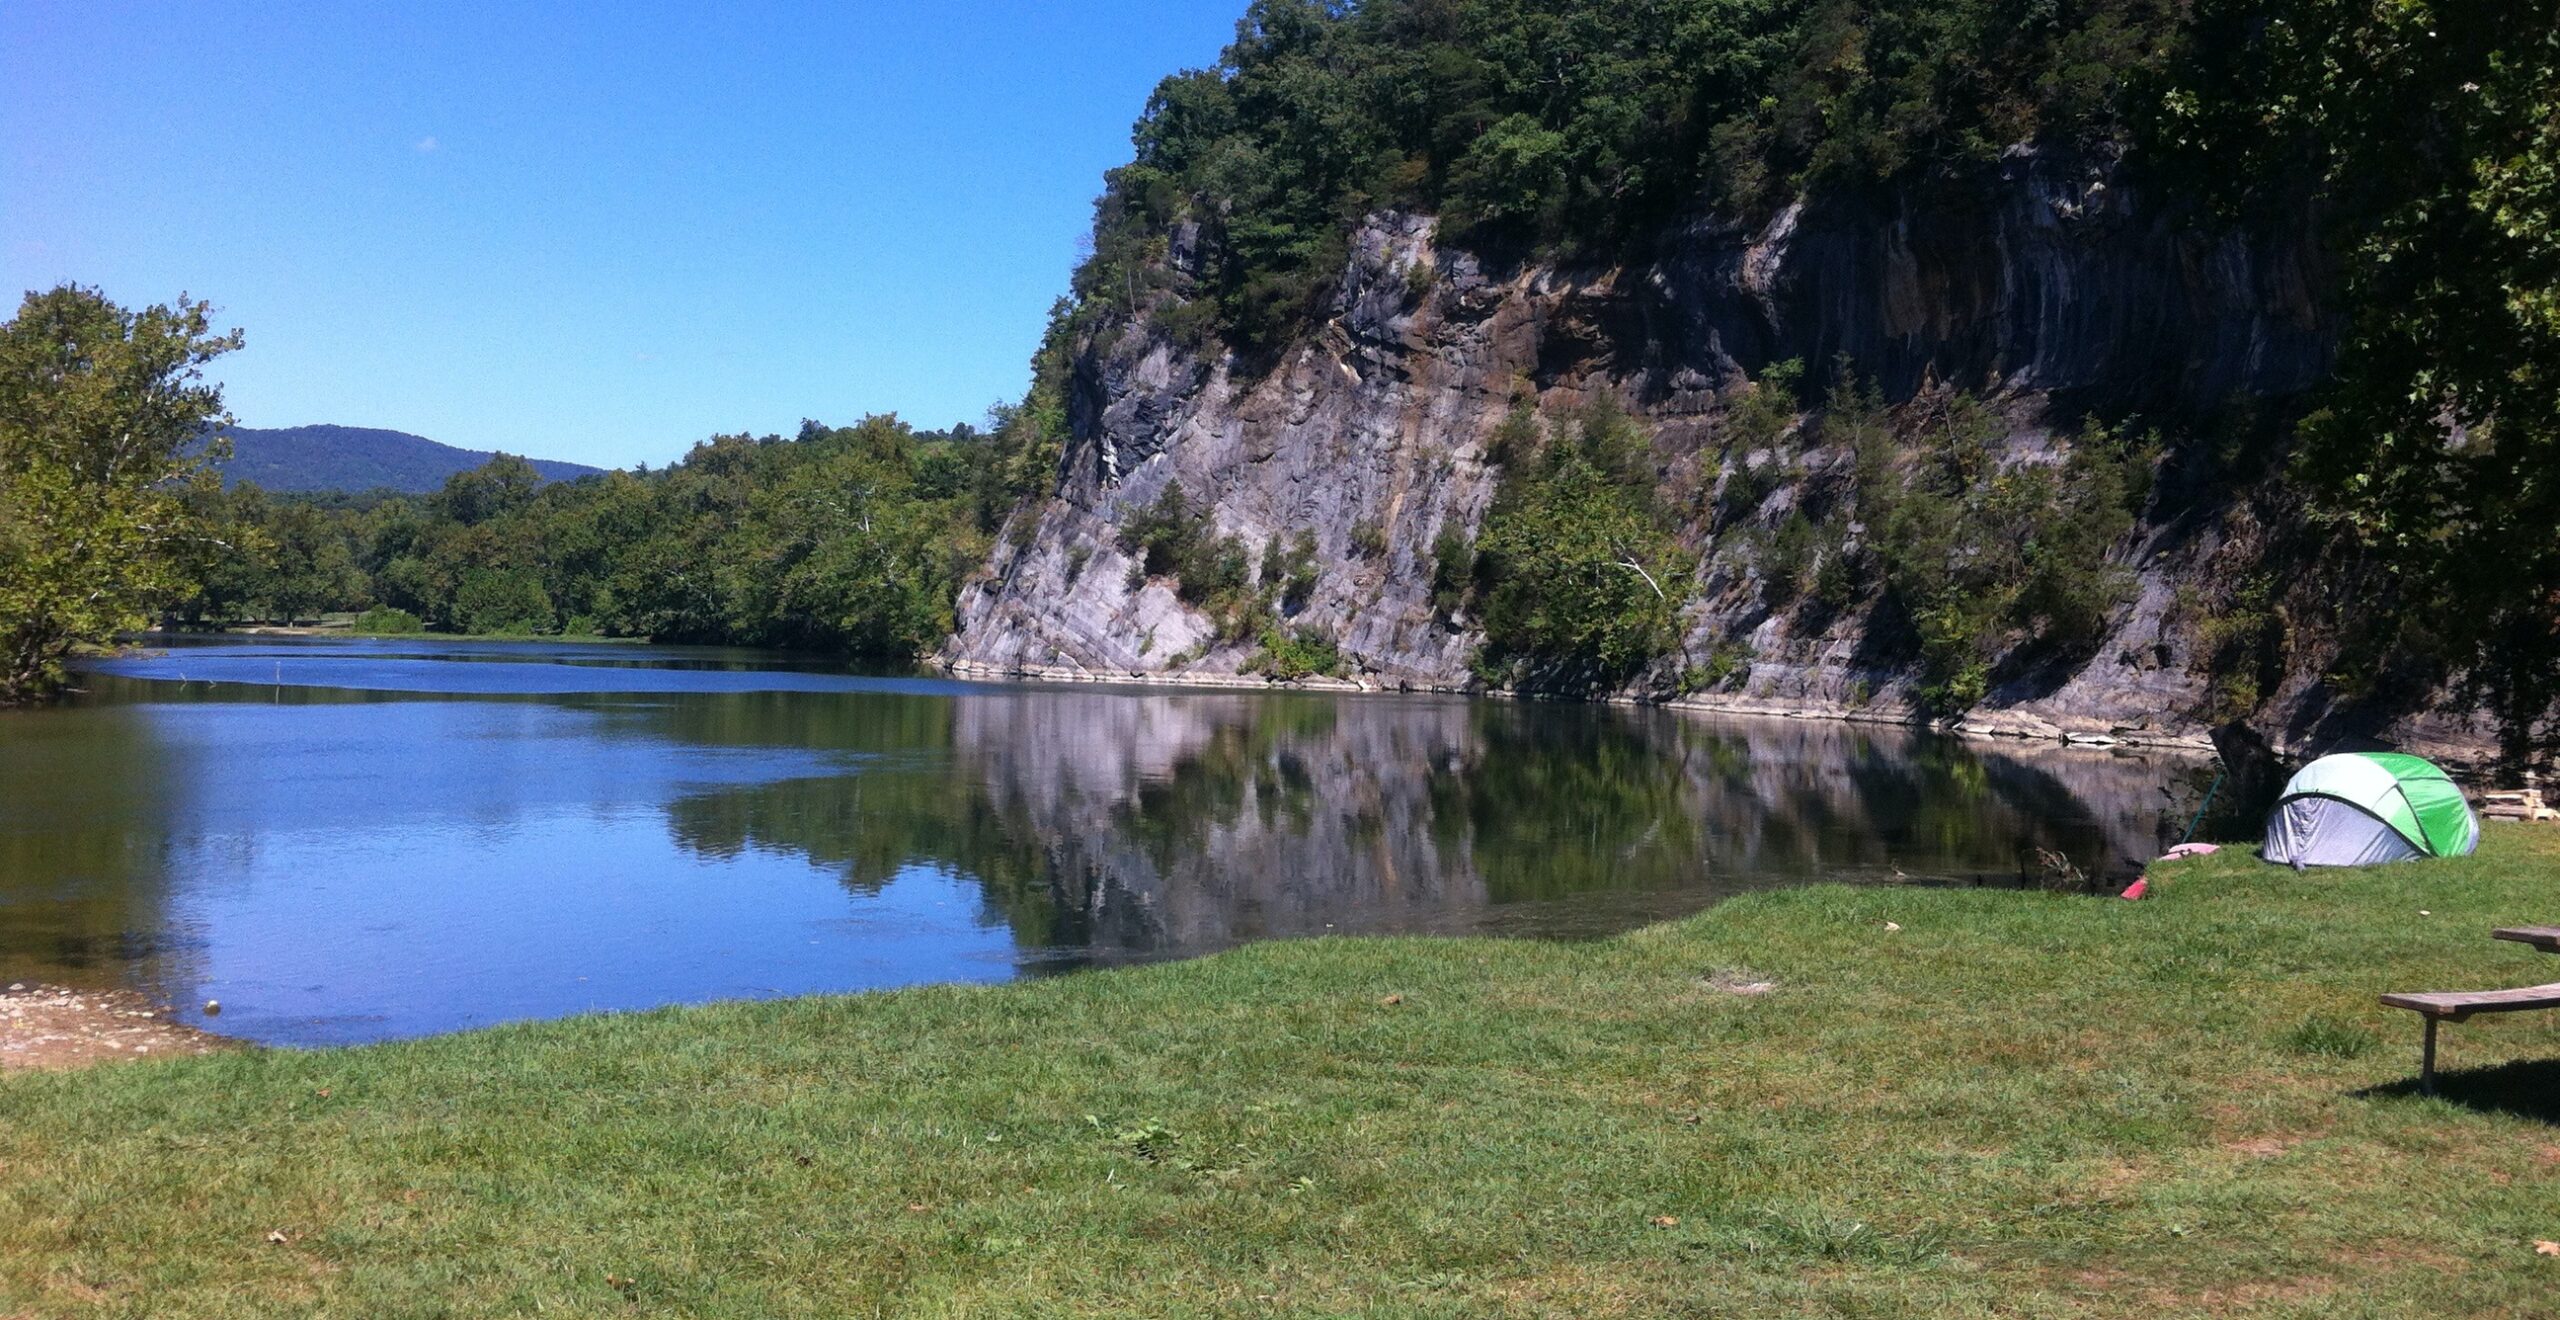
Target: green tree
x: 1985, y: 557
x: 1581, y: 581
x: 103, y: 413
x: 501, y: 486
x: 2430, y: 132
x: 312, y: 565
x: 227, y: 569
x: 502, y: 600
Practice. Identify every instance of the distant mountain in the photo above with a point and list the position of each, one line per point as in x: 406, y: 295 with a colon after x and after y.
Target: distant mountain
x: 357, y: 458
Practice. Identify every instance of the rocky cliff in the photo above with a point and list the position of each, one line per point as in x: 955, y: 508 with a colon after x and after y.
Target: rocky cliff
x: 2053, y: 288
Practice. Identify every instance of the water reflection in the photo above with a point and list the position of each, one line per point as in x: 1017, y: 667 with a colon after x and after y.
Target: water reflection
x: 352, y: 841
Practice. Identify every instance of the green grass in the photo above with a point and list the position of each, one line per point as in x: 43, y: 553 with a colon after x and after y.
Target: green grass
x: 2017, y: 1104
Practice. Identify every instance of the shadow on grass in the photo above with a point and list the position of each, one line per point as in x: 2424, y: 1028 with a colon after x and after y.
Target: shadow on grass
x: 2526, y: 1088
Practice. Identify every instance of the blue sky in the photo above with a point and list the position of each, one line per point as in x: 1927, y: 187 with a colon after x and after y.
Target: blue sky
x: 595, y: 232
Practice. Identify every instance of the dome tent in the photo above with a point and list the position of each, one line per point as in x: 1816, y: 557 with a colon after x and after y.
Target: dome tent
x: 2366, y: 807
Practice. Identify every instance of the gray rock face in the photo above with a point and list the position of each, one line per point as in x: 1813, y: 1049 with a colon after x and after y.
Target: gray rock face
x: 2051, y: 290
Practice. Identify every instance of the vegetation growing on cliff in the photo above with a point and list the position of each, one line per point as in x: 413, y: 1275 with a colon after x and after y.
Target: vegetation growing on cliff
x: 1986, y: 558
x: 100, y: 409
x: 1579, y: 577
x: 1174, y: 538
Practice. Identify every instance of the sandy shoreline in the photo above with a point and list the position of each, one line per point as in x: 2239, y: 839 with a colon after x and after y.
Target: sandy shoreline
x: 46, y: 1027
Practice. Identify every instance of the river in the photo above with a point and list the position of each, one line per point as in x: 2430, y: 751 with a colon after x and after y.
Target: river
x: 347, y: 841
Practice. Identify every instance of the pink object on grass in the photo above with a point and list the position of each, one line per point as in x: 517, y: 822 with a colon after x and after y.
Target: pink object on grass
x: 2192, y: 850
x: 2136, y: 890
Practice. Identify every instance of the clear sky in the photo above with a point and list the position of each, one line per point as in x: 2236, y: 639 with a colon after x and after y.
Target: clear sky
x: 595, y: 232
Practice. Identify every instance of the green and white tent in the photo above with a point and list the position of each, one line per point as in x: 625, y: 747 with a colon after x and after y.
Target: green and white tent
x: 2365, y: 807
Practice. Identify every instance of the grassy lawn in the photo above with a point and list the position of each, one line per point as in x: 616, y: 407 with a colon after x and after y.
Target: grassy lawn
x: 2015, y: 1104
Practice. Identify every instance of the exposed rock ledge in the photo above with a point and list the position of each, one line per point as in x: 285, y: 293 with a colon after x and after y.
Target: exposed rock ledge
x: 2000, y: 725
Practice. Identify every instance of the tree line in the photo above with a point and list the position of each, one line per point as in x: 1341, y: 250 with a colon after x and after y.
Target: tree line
x: 851, y: 540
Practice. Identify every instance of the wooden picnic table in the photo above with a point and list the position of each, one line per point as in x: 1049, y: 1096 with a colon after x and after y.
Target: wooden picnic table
x: 2545, y: 938
x: 2456, y: 1005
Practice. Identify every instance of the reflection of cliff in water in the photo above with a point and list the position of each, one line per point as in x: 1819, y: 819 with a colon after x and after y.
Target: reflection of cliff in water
x: 1140, y: 825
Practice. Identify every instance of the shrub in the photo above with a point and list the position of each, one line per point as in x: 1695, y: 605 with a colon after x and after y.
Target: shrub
x: 1729, y: 660
x: 1763, y: 414
x: 1787, y: 560
x: 1841, y: 578
x: 1977, y: 554
x: 1420, y: 279
x: 387, y: 621
x: 1289, y: 574
x: 2241, y: 642
x: 1287, y: 655
x: 1453, y: 568
x: 1746, y: 487
x: 502, y: 601
x: 1174, y: 538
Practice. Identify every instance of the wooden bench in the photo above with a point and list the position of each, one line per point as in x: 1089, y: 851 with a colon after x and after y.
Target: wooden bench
x: 2455, y: 1005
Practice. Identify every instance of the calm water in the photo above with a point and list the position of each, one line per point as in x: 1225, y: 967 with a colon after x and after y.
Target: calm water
x: 347, y: 841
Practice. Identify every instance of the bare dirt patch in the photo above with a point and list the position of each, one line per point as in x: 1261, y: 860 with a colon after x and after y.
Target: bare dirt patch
x: 1739, y: 981
x: 46, y: 1027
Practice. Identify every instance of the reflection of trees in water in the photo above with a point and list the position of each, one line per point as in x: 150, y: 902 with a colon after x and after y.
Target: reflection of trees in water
x: 86, y: 816
x: 1138, y: 823
x: 901, y: 805
x: 871, y: 827
x: 1551, y: 803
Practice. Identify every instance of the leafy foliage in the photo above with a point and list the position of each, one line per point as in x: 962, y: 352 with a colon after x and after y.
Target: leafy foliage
x: 1175, y: 538
x: 2430, y: 131
x: 385, y: 621
x: 101, y: 410
x: 1580, y: 577
x: 1571, y: 123
x: 1290, y: 572
x: 1453, y: 568
x: 1287, y: 654
x: 1979, y: 553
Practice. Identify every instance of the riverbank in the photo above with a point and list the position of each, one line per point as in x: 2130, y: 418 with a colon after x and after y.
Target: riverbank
x: 1827, y: 1101
x: 46, y: 1027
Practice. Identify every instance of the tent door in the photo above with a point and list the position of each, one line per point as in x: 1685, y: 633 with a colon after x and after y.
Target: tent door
x: 2321, y: 831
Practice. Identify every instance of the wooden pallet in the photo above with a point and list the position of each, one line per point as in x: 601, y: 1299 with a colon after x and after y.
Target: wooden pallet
x: 2517, y: 804
x: 2524, y: 803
